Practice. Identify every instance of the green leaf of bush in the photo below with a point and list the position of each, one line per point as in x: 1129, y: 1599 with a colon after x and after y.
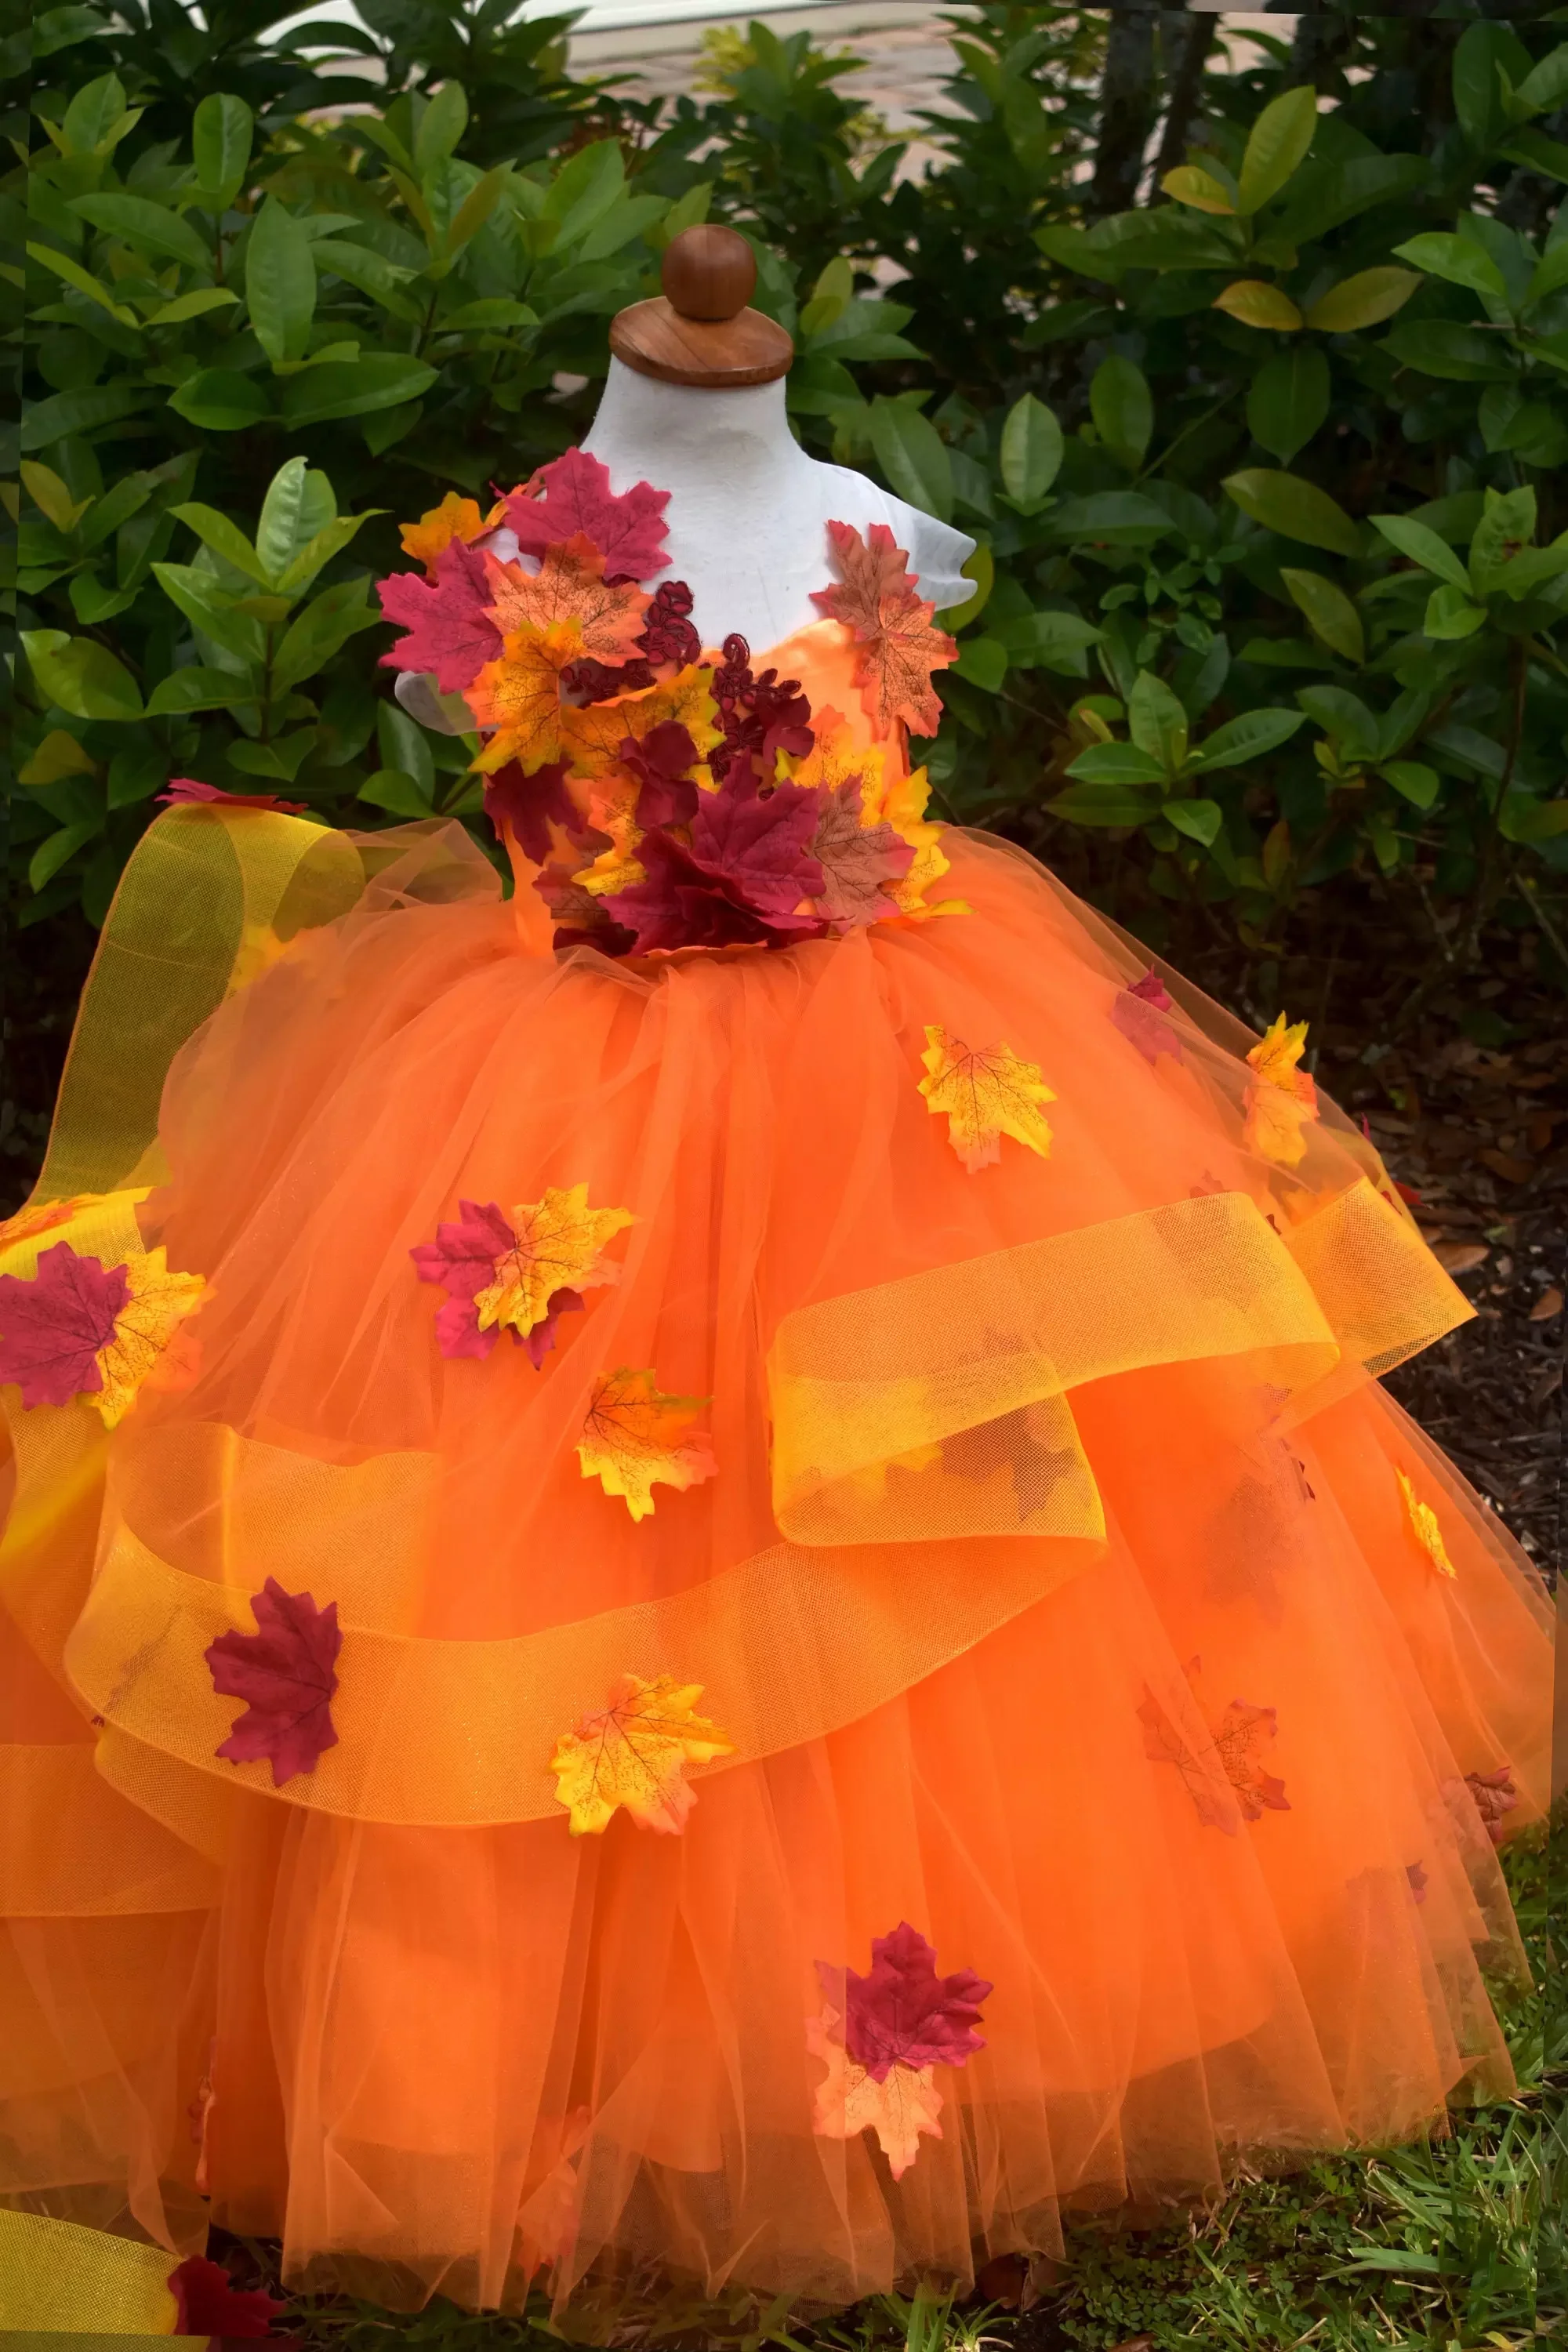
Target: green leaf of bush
x: 80, y: 675
x: 1277, y: 144
x: 221, y: 134
x: 1288, y: 401
x: 1122, y: 408
x: 1329, y: 613
x: 156, y: 228
x: 1294, y: 507
x: 220, y: 400
x: 184, y: 690
x: 354, y: 387
x: 280, y: 283
x: 1422, y: 547
x: 1031, y: 452
x: 1247, y: 737
x: 1116, y: 764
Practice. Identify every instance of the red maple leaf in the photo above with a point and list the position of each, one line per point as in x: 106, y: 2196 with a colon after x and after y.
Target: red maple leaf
x: 741, y: 881
x: 286, y: 1673
x: 529, y: 805
x: 574, y: 494
x: 903, y: 2014
x: 209, y: 2304
x: 449, y: 630
x: 462, y: 1259
x: 856, y: 860
x: 184, y: 789
x: 53, y: 1323
x: 1139, y: 1011
x: 662, y: 764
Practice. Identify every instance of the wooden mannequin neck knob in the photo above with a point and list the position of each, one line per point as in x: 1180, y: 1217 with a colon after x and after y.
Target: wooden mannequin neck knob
x: 699, y: 331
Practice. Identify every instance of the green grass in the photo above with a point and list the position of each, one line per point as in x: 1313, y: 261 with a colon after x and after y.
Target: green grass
x: 1447, y: 2245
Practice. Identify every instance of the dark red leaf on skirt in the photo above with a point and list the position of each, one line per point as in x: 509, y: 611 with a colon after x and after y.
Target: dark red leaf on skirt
x: 462, y: 1259
x: 573, y: 494
x: 1416, y: 1872
x: 902, y: 2014
x: 209, y: 2304
x: 529, y: 805
x: 183, y: 791
x: 450, y: 633
x: 1139, y: 1011
x: 285, y: 1671
x: 53, y: 1323
x: 544, y: 1338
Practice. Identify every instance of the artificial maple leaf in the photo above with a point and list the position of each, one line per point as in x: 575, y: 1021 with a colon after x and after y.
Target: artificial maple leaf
x: 662, y: 762
x: 186, y: 791
x: 1281, y: 1100
x: 450, y: 633
x: 529, y: 807
x: 898, y: 2107
x: 286, y: 1672
x: 462, y: 1259
x: 455, y: 518
x: 570, y: 585
x: 1139, y: 1011
x: 41, y: 1217
x: 635, y: 1754
x: 54, y: 1321
x: 1416, y: 1872
x: 1425, y: 1526
x: 634, y: 1438
x: 881, y: 600
x: 594, y: 734
x: 158, y: 1302
x: 557, y: 1244
x: 902, y: 2013
x: 1240, y: 1737
x: 208, y: 2303
x: 747, y: 875
x: 573, y: 495
x: 858, y: 860
x: 1201, y: 1774
x: 542, y: 1339
x: 985, y: 1096
x: 518, y: 695
x: 618, y: 866
x: 1495, y: 1795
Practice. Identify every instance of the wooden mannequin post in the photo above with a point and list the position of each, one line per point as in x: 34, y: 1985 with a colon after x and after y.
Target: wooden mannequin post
x: 699, y: 331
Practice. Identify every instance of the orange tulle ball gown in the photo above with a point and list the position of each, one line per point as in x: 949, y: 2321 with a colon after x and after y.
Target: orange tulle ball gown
x: 706, y: 1573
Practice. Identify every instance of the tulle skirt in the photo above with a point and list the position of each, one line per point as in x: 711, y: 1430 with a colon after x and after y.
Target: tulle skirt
x: 1060, y: 1586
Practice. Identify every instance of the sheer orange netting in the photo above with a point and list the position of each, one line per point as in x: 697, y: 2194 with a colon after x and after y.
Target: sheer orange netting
x: 1065, y: 1586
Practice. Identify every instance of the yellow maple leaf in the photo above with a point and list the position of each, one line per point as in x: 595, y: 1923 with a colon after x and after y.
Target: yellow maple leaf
x: 594, y: 734
x: 455, y: 517
x: 41, y: 1217
x: 560, y: 1246
x: 519, y: 696
x: 1425, y: 1527
x: 570, y: 585
x: 985, y: 1096
x: 158, y: 1303
x: 635, y: 1755
x: 1281, y: 1098
x: 849, y: 2101
x: 619, y: 867
x: 634, y: 1438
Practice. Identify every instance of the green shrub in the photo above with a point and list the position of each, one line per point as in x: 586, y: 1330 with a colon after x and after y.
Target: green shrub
x: 1269, y: 599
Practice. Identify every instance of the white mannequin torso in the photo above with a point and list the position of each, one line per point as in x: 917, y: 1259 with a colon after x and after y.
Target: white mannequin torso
x: 747, y: 517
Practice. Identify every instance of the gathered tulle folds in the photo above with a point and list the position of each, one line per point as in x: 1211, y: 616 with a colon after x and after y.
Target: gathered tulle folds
x: 1060, y: 1586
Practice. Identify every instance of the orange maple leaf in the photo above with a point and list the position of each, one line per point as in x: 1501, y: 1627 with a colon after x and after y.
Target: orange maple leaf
x: 635, y: 1754
x: 519, y: 696
x: 594, y: 734
x: 560, y: 1246
x: 634, y: 1438
x: 849, y: 2100
x: 455, y: 517
x: 985, y: 1096
x: 1426, y: 1527
x: 892, y: 624
x: 570, y: 585
x: 1233, y: 1756
x: 1281, y: 1100
x: 42, y: 1216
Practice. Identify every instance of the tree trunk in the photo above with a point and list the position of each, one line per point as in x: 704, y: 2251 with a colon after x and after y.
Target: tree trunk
x: 1126, y: 110
x: 1187, y: 42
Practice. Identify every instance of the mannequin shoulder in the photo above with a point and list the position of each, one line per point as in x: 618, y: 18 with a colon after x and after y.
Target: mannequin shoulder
x: 937, y: 553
